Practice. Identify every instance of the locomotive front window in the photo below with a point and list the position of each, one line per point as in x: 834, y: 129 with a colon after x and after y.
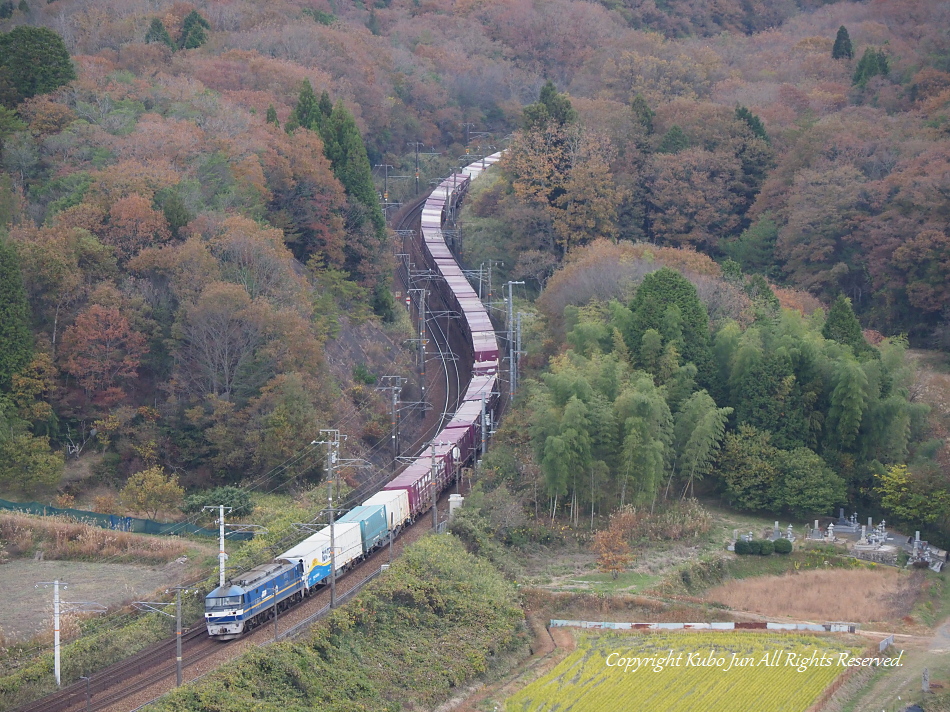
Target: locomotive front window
x: 224, y: 602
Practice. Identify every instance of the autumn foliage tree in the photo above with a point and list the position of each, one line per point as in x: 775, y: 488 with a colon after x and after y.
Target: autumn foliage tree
x: 102, y: 351
x: 612, y: 545
x: 152, y: 491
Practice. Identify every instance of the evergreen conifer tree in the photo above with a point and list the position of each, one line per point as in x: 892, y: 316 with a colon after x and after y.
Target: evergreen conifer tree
x: 193, y: 31
x: 753, y: 122
x: 158, y: 33
x: 551, y: 108
x: 174, y: 209
x: 326, y: 106
x: 643, y: 113
x: 842, y: 326
x: 344, y: 146
x: 33, y: 60
x: 306, y: 112
x: 16, y: 339
x: 272, y: 116
x: 873, y: 63
x: 673, y: 141
x: 842, y: 48
x: 372, y: 24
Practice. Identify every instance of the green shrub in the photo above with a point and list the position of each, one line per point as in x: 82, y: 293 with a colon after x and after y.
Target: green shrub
x: 236, y: 498
x: 755, y: 547
x: 742, y: 547
x: 766, y: 547
x: 783, y: 546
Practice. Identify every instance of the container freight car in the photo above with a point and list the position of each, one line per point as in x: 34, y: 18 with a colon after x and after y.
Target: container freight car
x: 237, y: 607
x: 398, y: 513
x: 374, y: 524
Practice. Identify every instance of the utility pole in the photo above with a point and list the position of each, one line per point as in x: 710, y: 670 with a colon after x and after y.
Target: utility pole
x: 435, y: 489
x: 511, y: 345
x: 55, y: 584
x: 177, y: 636
x: 157, y: 607
x: 517, y: 356
x: 332, y: 442
x: 386, y: 178
x: 416, y: 145
x: 385, y: 167
x: 422, y: 347
x: 222, y: 556
x: 79, y: 607
x: 484, y: 427
x: 469, y: 134
x: 391, y: 521
x: 490, y: 263
x: 395, y: 388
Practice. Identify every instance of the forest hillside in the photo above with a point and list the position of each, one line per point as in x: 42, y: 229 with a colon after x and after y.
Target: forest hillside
x: 187, y: 199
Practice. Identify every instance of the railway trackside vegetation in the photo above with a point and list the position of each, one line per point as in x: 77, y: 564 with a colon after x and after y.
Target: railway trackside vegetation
x: 101, y: 645
x: 438, y: 619
x: 590, y: 680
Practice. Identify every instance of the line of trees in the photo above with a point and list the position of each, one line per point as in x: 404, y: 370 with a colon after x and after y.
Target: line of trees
x: 781, y: 412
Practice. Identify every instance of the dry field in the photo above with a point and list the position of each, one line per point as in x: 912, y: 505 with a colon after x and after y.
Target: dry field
x: 63, y: 539
x: 27, y: 610
x: 114, y: 568
x: 855, y: 595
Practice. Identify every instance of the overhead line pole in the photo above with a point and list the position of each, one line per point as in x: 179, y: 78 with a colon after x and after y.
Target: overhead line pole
x: 416, y: 145
x: 56, y: 648
x: 222, y: 556
x: 511, y: 345
x: 156, y: 607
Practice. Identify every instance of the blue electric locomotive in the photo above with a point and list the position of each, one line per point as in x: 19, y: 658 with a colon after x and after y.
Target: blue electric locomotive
x: 233, y: 609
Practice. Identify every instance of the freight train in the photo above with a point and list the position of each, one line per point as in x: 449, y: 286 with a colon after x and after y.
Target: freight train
x: 255, y: 596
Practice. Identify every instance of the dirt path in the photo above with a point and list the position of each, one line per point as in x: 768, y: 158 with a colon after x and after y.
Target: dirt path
x: 548, y: 648
x: 896, y: 689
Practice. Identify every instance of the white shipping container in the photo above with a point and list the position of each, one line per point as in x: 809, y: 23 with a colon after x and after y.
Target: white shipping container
x: 314, y: 551
x: 348, y: 542
x: 397, y: 505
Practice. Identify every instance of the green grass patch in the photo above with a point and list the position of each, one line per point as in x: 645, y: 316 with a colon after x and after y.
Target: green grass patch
x: 934, y: 603
x: 626, y: 582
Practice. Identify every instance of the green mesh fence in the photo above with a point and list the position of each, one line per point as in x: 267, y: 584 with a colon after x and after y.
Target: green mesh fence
x: 123, y: 524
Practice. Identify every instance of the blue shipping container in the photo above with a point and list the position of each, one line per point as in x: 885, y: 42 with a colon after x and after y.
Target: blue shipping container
x: 373, y: 525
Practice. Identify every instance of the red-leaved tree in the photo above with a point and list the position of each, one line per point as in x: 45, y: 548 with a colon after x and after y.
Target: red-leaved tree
x: 102, y: 351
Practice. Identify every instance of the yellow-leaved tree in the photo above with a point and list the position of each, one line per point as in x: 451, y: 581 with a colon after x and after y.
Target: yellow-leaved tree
x: 151, y: 491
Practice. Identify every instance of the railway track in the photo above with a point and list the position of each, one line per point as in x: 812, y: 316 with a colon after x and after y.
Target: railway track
x: 144, y: 677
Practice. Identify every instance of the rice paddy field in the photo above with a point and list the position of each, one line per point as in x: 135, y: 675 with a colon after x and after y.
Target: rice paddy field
x: 715, y: 671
